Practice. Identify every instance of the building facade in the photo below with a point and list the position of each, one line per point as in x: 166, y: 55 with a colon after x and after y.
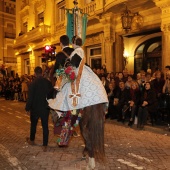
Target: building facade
x: 7, y: 35
x: 143, y: 46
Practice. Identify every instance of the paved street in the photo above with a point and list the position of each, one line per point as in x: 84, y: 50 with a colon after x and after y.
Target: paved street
x: 126, y: 148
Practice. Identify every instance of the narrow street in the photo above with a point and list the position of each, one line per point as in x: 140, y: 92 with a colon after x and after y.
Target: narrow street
x: 126, y: 148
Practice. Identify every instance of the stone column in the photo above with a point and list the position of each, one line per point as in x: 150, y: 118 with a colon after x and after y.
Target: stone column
x: 118, y: 52
x: 108, y: 38
x: 165, y: 27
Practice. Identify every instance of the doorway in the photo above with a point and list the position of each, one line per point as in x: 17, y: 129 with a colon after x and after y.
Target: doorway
x: 148, y: 55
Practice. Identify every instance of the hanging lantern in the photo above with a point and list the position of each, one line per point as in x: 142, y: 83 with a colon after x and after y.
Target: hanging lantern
x: 126, y: 18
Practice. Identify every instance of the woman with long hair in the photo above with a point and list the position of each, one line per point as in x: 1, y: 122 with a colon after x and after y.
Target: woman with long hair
x: 148, y: 105
x: 134, y: 102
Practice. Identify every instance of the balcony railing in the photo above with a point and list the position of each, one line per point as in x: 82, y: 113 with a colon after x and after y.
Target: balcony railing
x: 60, y: 26
x: 9, y: 60
x: 89, y: 8
x: 10, y: 35
x: 34, y: 35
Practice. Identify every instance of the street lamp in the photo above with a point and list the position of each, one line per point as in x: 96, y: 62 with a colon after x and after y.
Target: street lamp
x: 126, y: 19
x: 131, y: 20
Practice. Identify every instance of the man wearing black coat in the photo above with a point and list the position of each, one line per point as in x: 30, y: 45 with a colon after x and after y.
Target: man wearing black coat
x: 61, y: 58
x: 37, y: 106
x: 123, y: 96
x: 63, y: 55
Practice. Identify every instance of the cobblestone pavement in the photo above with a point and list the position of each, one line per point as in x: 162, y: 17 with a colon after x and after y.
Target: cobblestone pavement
x: 126, y: 148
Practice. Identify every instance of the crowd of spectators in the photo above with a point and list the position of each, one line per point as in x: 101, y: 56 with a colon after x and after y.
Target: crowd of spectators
x: 15, y: 88
x: 134, y: 98
x: 138, y: 99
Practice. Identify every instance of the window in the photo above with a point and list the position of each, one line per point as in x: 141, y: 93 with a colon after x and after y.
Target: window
x: 61, y: 11
x: 12, y: 11
x: 94, y: 56
x: 24, y: 27
x: 27, y: 66
x: 140, y: 49
x: 95, y: 51
x: 7, y: 9
x: 41, y: 18
x: 148, y: 55
x: 153, y: 46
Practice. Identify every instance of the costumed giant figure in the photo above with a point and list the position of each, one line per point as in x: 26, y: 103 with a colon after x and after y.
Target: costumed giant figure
x: 86, y: 93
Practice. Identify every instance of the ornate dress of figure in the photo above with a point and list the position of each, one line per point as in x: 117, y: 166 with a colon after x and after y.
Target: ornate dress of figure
x: 87, y: 94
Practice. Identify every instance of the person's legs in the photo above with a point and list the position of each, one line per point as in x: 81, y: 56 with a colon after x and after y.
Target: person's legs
x: 132, y: 115
x: 144, y: 116
x: 140, y: 117
x: 119, y: 111
x: 34, y: 120
x: 44, y: 123
x: 124, y: 112
x: 23, y: 94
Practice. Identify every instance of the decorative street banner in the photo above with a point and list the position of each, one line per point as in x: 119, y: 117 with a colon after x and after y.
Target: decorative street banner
x: 76, y: 24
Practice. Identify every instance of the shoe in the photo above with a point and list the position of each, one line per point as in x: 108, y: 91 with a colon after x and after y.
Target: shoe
x: 29, y: 141
x: 75, y: 134
x: 130, y: 123
x: 44, y: 148
x: 123, y: 121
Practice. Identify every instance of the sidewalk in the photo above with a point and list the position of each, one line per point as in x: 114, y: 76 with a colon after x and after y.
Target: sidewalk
x: 160, y: 129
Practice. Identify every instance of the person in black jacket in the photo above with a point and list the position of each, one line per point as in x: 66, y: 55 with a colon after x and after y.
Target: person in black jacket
x: 37, y: 106
x: 149, y: 105
x: 121, y: 101
x: 63, y: 55
x: 111, y: 93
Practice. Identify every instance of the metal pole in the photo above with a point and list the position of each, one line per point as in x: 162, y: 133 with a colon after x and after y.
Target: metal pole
x: 75, y: 16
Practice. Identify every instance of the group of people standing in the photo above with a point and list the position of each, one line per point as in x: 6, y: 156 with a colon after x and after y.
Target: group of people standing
x: 15, y: 88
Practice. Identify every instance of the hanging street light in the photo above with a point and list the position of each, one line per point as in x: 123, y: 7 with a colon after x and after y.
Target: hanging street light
x: 126, y: 19
x: 131, y: 21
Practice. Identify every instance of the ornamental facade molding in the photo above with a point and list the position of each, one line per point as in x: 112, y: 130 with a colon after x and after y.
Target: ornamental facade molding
x: 162, y: 3
x: 94, y: 39
x: 40, y: 5
x: 24, y: 11
x: 24, y: 15
x: 165, y: 27
x: 108, y: 21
